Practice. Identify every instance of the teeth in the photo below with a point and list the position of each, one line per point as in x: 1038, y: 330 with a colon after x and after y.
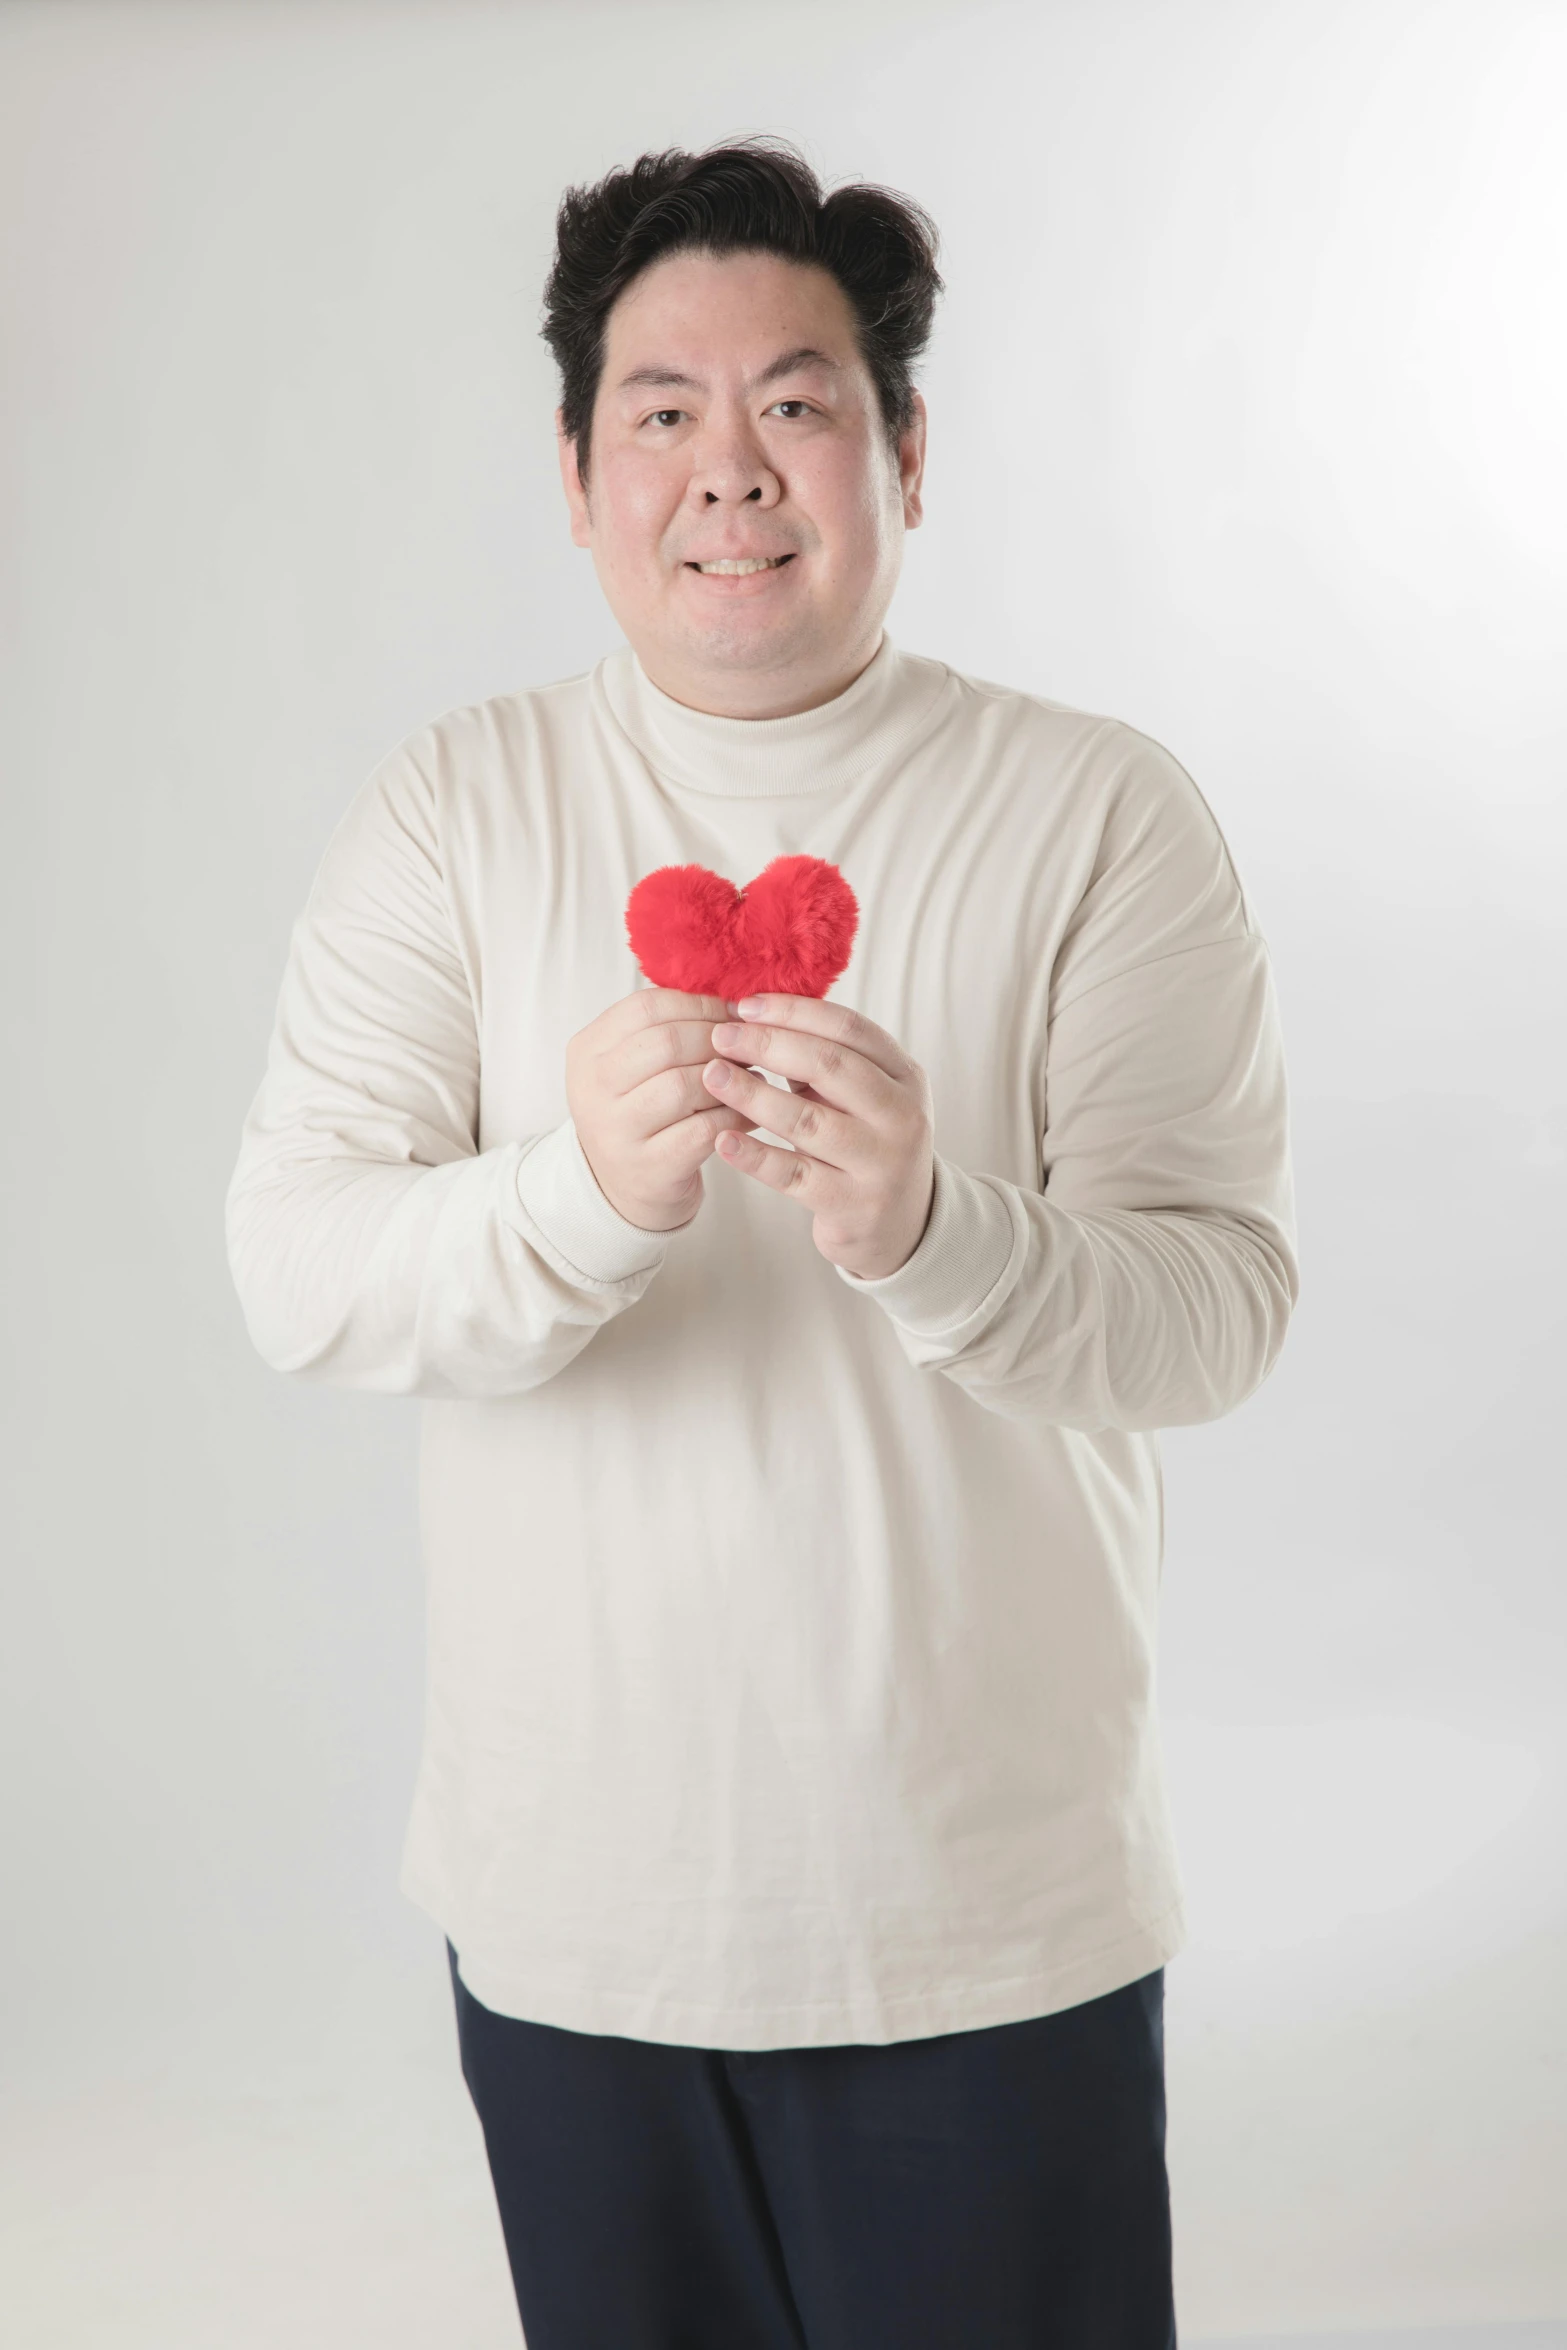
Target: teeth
x: 739, y: 567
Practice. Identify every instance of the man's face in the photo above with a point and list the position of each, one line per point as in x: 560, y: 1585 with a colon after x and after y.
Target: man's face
x: 737, y: 422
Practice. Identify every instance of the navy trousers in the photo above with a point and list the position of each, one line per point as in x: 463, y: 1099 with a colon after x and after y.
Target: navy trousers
x: 1001, y: 2189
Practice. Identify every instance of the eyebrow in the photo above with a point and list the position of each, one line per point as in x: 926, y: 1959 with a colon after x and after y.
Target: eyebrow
x: 671, y: 379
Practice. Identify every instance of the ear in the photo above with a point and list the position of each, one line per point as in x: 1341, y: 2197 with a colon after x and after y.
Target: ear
x: 911, y: 465
x: 573, y: 485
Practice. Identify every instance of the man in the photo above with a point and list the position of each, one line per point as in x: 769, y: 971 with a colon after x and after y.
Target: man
x: 791, y: 1796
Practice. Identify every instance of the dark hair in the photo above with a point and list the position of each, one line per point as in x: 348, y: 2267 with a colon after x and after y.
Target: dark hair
x: 755, y: 195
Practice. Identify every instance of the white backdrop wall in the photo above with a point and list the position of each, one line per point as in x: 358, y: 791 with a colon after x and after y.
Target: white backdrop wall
x: 1247, y: 402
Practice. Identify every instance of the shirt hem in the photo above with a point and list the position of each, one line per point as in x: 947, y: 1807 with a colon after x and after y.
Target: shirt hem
x: 874, y: 2021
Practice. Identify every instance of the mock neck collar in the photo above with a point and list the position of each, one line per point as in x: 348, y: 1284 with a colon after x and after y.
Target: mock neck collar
x: 766, y: 758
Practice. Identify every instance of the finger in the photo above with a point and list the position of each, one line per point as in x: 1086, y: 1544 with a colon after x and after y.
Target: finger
x: 795, y: 1172
x: 671, y: 1097
x: 650, y: 1007
x: 672, y: 1044
x: 676, y: 1151
x: 831, y: 1135
x: 837, y: 1074
x: 809, y: 1015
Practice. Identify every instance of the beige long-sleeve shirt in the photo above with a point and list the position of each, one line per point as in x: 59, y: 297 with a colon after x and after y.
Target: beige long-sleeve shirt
x: 791, y: 1638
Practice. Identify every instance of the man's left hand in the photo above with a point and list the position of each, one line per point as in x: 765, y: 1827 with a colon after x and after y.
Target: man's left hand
x: 858, y: 1116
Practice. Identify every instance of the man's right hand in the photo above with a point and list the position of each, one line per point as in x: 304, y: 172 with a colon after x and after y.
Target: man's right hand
x: 643, y: 1116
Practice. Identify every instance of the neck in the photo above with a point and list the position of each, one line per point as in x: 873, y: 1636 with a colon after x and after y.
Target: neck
x: 760, y: 693
x: 821, y: 749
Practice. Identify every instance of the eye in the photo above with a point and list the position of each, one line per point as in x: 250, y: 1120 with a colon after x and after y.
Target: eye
x: 666, y: 416
x: 803, y: 407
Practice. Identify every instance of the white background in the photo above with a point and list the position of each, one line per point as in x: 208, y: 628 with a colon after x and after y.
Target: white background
x: 1247, y: 426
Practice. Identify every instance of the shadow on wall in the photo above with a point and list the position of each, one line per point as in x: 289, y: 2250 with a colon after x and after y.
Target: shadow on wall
x: 1551, y: 2335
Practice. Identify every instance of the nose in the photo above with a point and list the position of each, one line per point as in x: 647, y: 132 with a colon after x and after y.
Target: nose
x: 732, y: 470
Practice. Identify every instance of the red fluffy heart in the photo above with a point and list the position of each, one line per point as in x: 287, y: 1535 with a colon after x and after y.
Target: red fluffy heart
x: 788, y: 932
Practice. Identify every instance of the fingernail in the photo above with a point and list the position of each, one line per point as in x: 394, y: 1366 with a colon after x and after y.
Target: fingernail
x: 748, y: 1006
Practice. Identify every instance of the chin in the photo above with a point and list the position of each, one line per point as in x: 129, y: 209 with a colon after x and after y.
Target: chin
x: 731, y: 645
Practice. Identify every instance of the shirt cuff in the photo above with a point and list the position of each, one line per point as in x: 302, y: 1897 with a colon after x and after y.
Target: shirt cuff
x: 966, y: 1247
x: 561, y: 1194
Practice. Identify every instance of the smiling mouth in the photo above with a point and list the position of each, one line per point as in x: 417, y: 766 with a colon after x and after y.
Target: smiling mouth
x: 737, y: 566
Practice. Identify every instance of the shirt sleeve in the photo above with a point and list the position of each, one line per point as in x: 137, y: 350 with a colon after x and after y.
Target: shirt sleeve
x: 372, y: 1244
x: 1148, y: 1281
